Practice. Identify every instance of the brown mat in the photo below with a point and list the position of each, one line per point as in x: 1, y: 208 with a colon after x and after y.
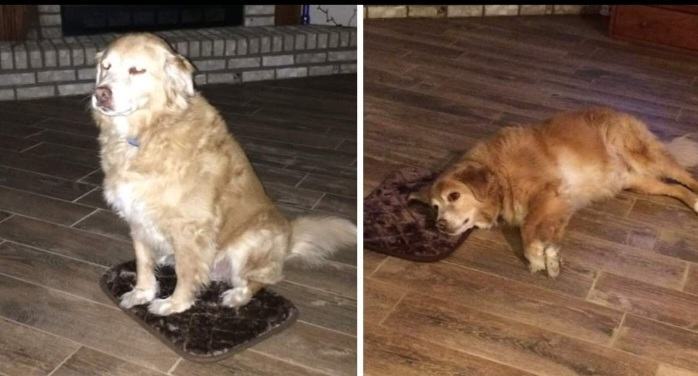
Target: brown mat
x: 401, y: 228
x: 207, y: 331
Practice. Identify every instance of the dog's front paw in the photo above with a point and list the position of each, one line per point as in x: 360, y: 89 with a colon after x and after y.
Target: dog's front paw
x: 236, y: 297
x: 536, y: 264
x: 552, y: 261
x: 166, y: 307
x: 137, y: 297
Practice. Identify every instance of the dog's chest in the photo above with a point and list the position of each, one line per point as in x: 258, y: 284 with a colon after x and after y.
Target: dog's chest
x: 130, y: 192
x: 132, y: 200
x: 128, y: 199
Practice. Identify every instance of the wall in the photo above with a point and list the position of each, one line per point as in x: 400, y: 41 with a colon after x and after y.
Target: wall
x: 344, y: 15
x: 402, y: 11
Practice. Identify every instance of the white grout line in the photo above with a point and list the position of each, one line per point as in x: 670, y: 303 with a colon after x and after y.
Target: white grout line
x: 326, y: 328
x: 85, y: 217
x: 678, y: 114
x: 380, y: 264
x: 63, y: 361
x: 58, y: 254
x: 616, y: 333
x: 301, y: 181
x: 102, y: 235
x: 291, y: 362
x: 176, y: 363
x: 684, y: 280
x: 42, y: 130
x: 85, y: 194
x: 8, y: 217
x: 45, y: 195
x: 79, y: 344
x: 593, y: 285
x: 318, y: 201
x: 31, y: 147
x: 110, y: 306
x: 393, y: 308
x: 88, y: 174
x: 45, y: 174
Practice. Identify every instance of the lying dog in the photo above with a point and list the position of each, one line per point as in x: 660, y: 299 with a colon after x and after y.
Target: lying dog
x: 537, y: 177
x: 185, y: 186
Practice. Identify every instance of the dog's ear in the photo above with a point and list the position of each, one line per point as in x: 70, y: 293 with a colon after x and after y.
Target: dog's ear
x: 479, y: 178
x: 422, y: 195
x: 179, y: 84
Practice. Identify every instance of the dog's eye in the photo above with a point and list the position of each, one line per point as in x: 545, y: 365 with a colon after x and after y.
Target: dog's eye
x: 453, y: 196
x: 436, y: 208
x: 106, y: 66
x: 134, y: 70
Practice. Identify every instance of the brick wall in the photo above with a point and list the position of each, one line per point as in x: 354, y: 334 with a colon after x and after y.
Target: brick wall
x: 65, y: 66
x: 402, y: 11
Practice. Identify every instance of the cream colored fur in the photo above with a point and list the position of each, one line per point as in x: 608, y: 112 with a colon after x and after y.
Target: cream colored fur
x: 187, y: 189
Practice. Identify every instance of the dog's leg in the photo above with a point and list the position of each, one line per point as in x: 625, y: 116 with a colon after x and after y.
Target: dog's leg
x: 248, y: 284
x: 662, y: 165
x: 193, y: 259
x: 672, y: 170
x: 542, y: 231
x: 650, y: 157
x: 241, y: 294
x: 256, y: 261
x: 146, y: 285
x: 654, y: 186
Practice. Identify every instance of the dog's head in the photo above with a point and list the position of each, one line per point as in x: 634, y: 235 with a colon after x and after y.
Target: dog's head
x: 466, y: 195
x: 141, y: 71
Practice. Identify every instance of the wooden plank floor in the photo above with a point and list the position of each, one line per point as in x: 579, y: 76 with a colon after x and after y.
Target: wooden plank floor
x: 626, y: 302
x: 57, y: 236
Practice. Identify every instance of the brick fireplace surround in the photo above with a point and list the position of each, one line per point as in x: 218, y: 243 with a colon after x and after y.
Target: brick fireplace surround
x: 48, y: 64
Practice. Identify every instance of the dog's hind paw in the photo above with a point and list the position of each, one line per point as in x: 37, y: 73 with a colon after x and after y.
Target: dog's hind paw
x: 137, y: 297
x: 166, y: 307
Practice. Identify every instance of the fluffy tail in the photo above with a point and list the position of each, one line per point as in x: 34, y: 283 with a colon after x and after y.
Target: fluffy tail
x: 314, y: 239
x: 684, y: 150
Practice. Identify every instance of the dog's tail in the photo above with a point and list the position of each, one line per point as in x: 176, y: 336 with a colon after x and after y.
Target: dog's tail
x: 684, y: 149
x: 314, y: 239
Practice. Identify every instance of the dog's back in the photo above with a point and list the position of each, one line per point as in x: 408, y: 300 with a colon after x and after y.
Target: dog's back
x: 584, y: 155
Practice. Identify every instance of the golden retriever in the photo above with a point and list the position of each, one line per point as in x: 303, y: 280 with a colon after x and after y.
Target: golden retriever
x: 185, y: 186
x: 537, y: 177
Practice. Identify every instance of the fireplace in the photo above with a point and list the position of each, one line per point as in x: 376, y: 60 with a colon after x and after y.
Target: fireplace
x: 226, y: 44
x: 95, y: 19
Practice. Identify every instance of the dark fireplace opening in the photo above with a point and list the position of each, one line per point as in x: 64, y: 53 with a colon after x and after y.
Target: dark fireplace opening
x: 95, y: 19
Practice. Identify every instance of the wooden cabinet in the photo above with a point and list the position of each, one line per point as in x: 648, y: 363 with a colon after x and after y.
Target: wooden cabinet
x: 668, y: 25
x: 14, y: 21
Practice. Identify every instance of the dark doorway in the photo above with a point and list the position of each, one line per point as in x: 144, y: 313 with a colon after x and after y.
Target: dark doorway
x: 94, y: 19
x: 287, y: 15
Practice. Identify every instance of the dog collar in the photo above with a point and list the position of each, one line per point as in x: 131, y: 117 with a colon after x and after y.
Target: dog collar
x: 133, y: 141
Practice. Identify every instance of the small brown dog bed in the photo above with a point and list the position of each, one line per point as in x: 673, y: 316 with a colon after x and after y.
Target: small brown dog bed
x: 207, y: 331
x: 404, y: 228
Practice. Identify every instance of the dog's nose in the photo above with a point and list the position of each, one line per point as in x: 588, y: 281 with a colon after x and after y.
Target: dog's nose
x: 441, y: 225
x: 103, y: 95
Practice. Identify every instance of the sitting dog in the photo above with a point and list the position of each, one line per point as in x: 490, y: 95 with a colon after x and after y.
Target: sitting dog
x: 537, y: 177
x: 185, y: 186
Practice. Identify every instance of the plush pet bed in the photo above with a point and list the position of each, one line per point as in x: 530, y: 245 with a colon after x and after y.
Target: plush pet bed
x: 402, y: 228
x: 207, y: 331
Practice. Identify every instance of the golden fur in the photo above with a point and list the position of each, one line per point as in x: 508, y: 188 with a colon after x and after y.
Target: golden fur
x: 537, y: 177
x: 185, y: 186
